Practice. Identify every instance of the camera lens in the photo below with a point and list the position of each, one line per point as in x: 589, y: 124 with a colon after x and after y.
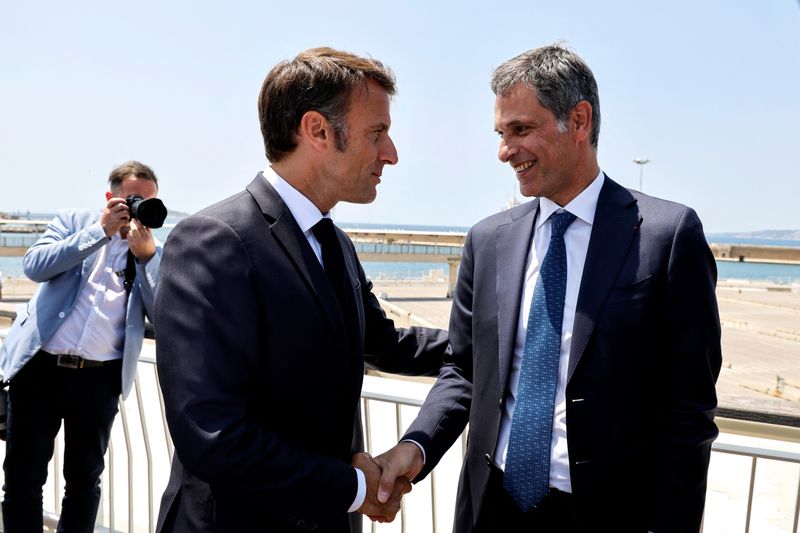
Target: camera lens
x: 151, y: 212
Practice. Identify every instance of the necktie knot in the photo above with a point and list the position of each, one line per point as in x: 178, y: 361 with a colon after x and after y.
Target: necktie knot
x: 324, y: 231
x: 559, y: 222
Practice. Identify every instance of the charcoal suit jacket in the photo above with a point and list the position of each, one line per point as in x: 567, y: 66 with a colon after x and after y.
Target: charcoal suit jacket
x: 260, y: 375
x: 644, y: 359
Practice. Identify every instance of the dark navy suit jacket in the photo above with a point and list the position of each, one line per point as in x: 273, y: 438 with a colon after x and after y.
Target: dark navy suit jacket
x: 643, y: 364
x: 261, y: 385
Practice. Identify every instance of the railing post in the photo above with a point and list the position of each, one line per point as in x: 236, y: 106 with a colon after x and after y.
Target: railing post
x: 750, y: 495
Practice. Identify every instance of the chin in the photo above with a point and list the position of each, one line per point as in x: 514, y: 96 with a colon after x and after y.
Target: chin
x: 369, y: 196
x: 529, y: 191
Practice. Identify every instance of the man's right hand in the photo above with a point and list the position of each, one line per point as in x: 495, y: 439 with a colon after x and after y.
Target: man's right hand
x: 403, y: 461
x: 114, y: 216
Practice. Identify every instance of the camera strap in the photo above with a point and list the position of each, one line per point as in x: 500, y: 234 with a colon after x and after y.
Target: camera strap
x: 130, y: 273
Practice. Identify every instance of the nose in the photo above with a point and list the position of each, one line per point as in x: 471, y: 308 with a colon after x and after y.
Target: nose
x: 389, y: 153
x: 506, y: 151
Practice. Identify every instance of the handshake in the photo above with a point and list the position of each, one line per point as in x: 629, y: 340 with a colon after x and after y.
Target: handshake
x: 388, y: 478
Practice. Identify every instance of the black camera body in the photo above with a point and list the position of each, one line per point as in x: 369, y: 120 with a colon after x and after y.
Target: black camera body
x: 151, y: 212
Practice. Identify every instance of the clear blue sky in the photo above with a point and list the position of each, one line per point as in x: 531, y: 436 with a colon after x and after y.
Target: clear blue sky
x: 708, y: 90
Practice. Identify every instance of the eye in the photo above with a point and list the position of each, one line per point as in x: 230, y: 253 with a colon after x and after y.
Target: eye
x: 376, y: 134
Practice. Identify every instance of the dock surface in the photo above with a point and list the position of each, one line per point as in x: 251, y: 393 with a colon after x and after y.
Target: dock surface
x: 760, y: 335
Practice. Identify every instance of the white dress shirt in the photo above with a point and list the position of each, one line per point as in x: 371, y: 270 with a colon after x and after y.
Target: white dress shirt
x: 95, y: 328
x: 306, y: 215
x: 303, y: 210
x: 576, y: 240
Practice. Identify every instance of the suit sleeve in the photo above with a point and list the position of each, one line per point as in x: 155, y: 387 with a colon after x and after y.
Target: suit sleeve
x: 445, y: 413
x: 209, y: 354
x: 147, y: 278
x: 693, y: 364
x: 61, y: 247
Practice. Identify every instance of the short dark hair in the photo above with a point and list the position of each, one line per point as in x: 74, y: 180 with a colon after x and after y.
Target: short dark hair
x: 319, y: 79
x: 558, y: 76
x: 128, y: 169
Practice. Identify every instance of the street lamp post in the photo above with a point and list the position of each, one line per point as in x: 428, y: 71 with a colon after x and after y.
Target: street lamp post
x: 641, y: 162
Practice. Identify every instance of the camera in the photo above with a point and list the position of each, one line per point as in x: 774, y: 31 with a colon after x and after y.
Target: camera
x: 151, y: 212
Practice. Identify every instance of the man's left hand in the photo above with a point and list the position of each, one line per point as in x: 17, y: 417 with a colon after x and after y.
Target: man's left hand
x: 141, y: 242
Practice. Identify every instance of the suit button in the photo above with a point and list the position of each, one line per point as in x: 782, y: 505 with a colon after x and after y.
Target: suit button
x: 488, y: 459
x: 61, y: 314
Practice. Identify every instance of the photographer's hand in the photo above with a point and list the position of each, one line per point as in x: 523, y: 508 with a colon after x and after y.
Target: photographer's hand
x: 141, y: 242
x: 115, y: 216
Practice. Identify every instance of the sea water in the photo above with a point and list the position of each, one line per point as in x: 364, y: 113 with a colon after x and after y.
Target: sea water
x: 773, y: 273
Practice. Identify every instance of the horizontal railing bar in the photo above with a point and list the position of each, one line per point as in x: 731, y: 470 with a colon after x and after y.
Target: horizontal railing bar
x: 391, y: 398
x: 765, y: 430
x: 734, y: 421
x: 760, y: 453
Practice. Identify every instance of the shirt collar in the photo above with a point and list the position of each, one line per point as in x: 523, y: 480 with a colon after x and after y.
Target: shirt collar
x: 582, y: 206
x: 303, y: 210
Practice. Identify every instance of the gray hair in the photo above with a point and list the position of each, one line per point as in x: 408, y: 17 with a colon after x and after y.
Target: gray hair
x: 560, y: 79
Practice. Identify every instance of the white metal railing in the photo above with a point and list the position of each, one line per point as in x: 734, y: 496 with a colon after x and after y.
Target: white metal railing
x: 140, y: 454
x: 755, y: 455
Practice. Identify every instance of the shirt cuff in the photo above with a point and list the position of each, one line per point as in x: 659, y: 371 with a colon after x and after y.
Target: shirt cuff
x: 424, y: 458
x: 361, y: 494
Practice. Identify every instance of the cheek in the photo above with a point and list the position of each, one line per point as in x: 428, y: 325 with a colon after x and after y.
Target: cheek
x: 534, y: 145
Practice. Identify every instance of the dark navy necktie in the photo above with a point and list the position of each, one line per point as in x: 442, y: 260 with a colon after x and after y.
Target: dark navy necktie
x: 527, y: 473
x: 335, y: 270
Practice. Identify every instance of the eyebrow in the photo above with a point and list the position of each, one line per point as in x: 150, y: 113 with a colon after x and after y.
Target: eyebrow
x: 517, y: 122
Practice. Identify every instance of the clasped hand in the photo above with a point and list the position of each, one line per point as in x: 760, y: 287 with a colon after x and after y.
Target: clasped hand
x: 379, y: 511
x: 388, y: 479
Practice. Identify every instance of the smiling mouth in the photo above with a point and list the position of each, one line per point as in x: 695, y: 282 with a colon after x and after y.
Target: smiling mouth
x: 522, y: 167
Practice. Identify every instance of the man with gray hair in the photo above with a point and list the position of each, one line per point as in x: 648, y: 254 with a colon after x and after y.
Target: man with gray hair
x: 585, y: 336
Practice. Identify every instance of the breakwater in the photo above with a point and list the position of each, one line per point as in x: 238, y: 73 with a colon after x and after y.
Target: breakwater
x: 756, y: 253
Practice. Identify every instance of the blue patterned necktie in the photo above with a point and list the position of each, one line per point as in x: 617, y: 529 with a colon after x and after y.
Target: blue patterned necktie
x: 527, y: 473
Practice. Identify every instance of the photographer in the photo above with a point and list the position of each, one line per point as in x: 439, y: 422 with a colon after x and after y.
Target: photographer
x: 72, y: 353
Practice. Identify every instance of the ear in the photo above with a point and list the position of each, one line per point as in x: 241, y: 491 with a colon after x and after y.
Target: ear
x: 109, y: 195
x: 581, y: 120
x: 315, y: 130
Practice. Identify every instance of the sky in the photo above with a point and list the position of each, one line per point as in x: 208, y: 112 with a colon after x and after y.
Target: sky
x: 707, y: 90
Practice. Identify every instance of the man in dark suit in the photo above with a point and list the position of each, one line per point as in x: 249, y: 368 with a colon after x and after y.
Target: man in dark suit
x: 264, y: 317
x: 585, y: 336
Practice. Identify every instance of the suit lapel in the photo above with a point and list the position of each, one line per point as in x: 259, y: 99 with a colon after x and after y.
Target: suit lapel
x: 513, y: 243
x: 616, y: 222
x: 294, y: 243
